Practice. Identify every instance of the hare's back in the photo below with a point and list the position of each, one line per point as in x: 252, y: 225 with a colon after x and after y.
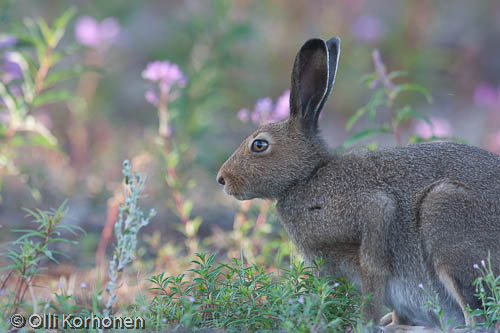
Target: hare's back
x: 410, y: 170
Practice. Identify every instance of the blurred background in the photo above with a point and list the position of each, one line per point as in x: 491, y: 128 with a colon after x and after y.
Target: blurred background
x: 232, y: 57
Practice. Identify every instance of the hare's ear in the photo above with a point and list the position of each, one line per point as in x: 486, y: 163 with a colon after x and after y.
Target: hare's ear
x: 312, y: 80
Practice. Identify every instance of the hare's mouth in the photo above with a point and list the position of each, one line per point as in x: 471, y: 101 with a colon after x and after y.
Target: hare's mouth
x: 238, y: 195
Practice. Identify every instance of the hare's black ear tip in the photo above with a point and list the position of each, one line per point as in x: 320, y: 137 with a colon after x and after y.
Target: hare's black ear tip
x: 313, y: 43
x: 334, y: 41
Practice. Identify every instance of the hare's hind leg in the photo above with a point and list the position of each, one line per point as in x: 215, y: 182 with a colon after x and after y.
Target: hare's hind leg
x: 458, y: 229
x: 455, y: 291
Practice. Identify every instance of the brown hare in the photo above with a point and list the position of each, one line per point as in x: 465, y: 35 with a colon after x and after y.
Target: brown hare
x: 389, y: 220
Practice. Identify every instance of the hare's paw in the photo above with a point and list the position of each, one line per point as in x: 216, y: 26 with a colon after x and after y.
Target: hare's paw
x: 389, y: 319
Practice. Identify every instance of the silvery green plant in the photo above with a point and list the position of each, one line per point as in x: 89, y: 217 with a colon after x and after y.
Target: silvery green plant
x: 130, y: 220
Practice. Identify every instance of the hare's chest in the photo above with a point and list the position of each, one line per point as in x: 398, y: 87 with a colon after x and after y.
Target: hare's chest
x: 318, y: 223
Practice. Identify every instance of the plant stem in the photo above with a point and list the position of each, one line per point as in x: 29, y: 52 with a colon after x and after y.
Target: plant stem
x: 390, y: 87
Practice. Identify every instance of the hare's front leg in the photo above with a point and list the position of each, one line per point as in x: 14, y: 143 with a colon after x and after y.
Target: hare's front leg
x: 376, y: 216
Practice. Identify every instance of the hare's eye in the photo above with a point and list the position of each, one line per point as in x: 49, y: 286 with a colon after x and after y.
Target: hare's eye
x: 259, y: 145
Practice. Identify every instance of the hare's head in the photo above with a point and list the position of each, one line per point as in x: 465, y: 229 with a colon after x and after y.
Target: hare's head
x: 281, y: 154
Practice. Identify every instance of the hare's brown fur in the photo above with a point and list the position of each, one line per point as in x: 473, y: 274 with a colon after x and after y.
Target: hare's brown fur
x: 389, y: 219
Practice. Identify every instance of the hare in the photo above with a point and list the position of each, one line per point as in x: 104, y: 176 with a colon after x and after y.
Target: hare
x: 390, y: 220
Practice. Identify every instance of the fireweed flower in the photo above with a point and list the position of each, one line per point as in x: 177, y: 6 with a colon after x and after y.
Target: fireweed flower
x: 243, y: 115
x: 486, y: 95
x: 7, y: 40
x: 440, y: 128
x: 89, y: 32
x: 10, y: 69
x: 265, y: 112
x: 166, y: 75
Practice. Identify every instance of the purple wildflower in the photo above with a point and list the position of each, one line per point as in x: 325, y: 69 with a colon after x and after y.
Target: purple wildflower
x: 290, y: 301
x: 440, y: 128
x: 486, y: 95
x: 91, y: 33
x: 83, y: 285
x: 476, y: 266
x: 151, y: 97
x: 421, y: 286
x: 368, y: 28
x: 282, y: 109
x: 7, y: 40
x: 301, y: 299
x: 264, y: 105
x: 165, y: 74
x: 483, y: 263
x: 191, y: 299
x: 11, y: 68
x: 265, y: 112
x: 243, y: 115
x: 164, y: 320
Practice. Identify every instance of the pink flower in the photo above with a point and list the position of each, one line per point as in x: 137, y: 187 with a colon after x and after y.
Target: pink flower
x: 264, y: 105
x: 282, y: 109
x: 7, y: 40
x: 151, y: 97
x: 486, y: 95
x: 11, y: 68
x: 243, y: 115
x: 440, y: 128
x: 91, y: 33
x: 164, y: 73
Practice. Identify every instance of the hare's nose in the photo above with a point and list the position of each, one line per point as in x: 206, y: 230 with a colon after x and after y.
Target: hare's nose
x: 220, y: 179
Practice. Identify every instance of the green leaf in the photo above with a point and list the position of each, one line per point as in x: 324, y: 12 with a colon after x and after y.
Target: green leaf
x: 48, y: 253
x: 42, y: 141
x: 411, y: 87
x: 366, y: 133
x: 55, y: 77
x: 3, y: 131
x: 7, y: 97
x: 354, y: 118
x: 51, y: 97
x: 35, y: 38
x: 60, y: 26
x: 62, y: 21
x: 16, y: 141
x: 45, y: 30
x: 369, y: 78
x: 406, y: 112
x: 396, y: 74
x: 188, y: 206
